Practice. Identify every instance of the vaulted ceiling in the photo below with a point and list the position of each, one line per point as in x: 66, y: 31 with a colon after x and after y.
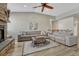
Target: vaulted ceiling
x: 59, y: 8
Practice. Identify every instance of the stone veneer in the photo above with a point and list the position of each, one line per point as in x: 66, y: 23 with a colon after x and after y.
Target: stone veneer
x: 4, y: 23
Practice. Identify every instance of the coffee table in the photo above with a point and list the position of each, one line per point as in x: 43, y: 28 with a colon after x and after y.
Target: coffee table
x: 39, y: 41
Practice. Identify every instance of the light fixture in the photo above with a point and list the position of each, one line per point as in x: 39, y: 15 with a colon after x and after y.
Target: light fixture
x: 25, y: 5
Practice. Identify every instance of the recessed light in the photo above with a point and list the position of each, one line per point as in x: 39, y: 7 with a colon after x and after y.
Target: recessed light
x: 25, y: 5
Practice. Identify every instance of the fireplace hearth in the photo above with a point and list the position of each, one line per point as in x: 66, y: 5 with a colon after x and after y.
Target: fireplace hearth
x: 1, y: 33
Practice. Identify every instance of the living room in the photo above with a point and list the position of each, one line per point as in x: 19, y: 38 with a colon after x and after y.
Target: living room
x: 32, y: 31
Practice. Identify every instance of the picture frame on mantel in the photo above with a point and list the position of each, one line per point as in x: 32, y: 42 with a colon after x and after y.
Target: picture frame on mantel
x: 8, y: 15
x: 7, y: 12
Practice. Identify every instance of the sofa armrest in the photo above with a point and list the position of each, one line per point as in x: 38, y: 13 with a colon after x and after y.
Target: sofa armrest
x: 71, y: 40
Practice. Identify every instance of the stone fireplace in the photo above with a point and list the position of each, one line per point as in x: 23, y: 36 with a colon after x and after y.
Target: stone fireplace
x: 4, y: 16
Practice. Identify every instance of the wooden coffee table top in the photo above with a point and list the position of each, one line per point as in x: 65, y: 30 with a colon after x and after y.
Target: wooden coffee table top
x: 40, y: 37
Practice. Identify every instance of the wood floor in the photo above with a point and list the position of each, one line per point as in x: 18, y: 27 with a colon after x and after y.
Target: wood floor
x: 60, y: 50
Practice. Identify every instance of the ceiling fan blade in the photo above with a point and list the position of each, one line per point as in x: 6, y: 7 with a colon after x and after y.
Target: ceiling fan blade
x: 42, y: 9
x: 44, y: 3
x: 48, y: 7
x: 37, y: 6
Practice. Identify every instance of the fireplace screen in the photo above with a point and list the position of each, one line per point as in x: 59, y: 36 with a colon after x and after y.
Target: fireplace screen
x: 1, y: 34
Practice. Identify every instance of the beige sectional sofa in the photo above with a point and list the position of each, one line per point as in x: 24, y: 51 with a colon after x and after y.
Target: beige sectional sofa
x: 65, y: 38
x: 27, y: 36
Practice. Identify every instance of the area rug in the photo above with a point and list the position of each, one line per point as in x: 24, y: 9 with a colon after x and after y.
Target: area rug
x: 29, y: 49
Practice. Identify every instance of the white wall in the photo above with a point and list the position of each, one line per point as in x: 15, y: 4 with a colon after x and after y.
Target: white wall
x: 67, y: 23
x: 20, y: 22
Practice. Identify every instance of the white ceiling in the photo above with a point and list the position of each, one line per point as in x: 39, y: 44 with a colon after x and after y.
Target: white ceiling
x: 59, y: 8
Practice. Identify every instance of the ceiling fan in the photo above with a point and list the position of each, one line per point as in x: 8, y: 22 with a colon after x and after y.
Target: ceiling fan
x: 44, y: 5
